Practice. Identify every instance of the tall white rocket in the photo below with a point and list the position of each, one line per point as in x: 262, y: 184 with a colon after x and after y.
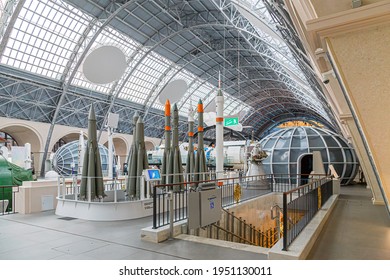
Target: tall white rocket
x: 27, y: 156
x: 81, y: 153
x: 190, y: 165
x: 219, y: 101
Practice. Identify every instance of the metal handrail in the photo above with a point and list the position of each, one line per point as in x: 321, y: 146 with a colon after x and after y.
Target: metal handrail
x: 233, y: 234
x: 310, y: 196
x: 245, y: 223
x: 227, y: 189
x: 306, y: 185
x: 251, y: 227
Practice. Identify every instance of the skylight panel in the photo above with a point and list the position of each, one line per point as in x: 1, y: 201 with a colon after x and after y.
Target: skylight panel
x: 42, y: 36
x: 139, y: 86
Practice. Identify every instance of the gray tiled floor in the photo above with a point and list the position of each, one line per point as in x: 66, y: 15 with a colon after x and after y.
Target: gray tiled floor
x: 45, y: 236
x: 356, y: 230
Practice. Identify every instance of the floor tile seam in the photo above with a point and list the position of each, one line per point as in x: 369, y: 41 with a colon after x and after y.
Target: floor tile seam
x: 160, y: 253
x: 81, y: 253
x: 17, y: 249
x: 59, y: 253
x: 36, y: 243
x: 56, y: 257
x: 131, y: 246
x: 97, y: 239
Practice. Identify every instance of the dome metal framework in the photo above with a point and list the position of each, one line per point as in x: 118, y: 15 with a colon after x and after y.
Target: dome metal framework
x: 286, y: 147
x: 266, y: 76
x: 68, y: 155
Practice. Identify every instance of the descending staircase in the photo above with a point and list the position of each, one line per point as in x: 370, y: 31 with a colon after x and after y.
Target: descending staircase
x: 235, y: 229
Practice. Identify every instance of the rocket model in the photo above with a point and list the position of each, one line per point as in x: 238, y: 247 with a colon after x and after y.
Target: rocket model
x: 175, y: 166
x: 27, y: 156
x: 190, y: 164
x: 92, y: 177
x: 137, y: 159
x: 132, y: 160
x: 200, y: 158
x: 81, y: 152
x: 142, y: 159
x: 219, y: 101
x: 167, y: 135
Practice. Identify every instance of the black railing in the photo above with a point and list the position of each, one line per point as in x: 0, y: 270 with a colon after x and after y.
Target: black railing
x: 234, y: 190
x: 161, y: 202
x: 326, y: 191
x: 286, y: 182
x: 236, y: 229
x: 7, y: 199
x: 301, y: 204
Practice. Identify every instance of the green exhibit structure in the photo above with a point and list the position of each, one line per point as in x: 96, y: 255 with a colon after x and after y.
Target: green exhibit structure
x: 11, y: 175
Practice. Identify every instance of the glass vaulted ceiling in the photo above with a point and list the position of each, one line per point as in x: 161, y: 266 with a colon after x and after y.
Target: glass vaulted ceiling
x: 46, y: 32
x: 43, y: 38
x: 268, y: 28
x: 266, y: 77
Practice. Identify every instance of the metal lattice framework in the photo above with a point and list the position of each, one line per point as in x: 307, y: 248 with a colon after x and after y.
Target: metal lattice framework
x: 266, y: 76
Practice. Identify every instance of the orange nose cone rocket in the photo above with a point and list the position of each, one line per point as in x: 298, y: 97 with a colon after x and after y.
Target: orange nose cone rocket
x: 200, y: 106
x: 167, y: 116
x: 167, y: 108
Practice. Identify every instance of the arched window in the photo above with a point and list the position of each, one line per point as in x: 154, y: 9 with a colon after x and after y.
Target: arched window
x: 7, y: 140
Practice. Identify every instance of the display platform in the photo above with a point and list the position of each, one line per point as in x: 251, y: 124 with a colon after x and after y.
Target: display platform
x: 105, y: 210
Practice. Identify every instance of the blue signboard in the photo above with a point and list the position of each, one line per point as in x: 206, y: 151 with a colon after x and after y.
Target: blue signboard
x: 153, y: 175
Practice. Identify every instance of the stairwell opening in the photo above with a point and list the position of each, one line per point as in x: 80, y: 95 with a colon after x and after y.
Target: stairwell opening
x: 248, y: 223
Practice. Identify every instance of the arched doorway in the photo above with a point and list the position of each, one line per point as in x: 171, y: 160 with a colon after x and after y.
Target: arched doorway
x: 21, y: 135
x: 149, y: 145
x: 305, y: 167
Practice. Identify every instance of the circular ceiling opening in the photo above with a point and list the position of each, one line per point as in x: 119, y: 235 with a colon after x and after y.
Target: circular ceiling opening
x: 173, y: 91
x: 104, y: 65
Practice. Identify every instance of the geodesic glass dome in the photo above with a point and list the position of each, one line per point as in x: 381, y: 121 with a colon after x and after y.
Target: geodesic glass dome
x: 65, y: 155
x: 287, y: 145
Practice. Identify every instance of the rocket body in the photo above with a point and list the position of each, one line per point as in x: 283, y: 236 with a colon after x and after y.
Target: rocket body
x: 27, y: 156
x: 200, y: 157
x: 142, y: 160
x: 81, y: 152
x: 137, y: 160
x: 175, y: 164
x: 92, y: 176
x: 219, y: 101
x: 167, y: 135
x: 132, y: 161
x: 190, y: 164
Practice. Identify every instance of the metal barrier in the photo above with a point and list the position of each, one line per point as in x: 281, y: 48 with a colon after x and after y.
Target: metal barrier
x: 7, y: 199
x: 234, y: 190
x: 235, y: 229
x: 161, y: 211
x: 301, y: 204
x: 69, y: 188
x: 286, y: 182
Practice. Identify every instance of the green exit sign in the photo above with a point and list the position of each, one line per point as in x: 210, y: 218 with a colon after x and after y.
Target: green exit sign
x: 230, y: 121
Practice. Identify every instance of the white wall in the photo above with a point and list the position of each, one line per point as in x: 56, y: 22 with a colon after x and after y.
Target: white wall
x: 36, y: 134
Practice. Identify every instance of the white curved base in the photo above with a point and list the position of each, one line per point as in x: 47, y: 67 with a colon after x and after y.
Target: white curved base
x: 255, y: 169
x: 105, y: 211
